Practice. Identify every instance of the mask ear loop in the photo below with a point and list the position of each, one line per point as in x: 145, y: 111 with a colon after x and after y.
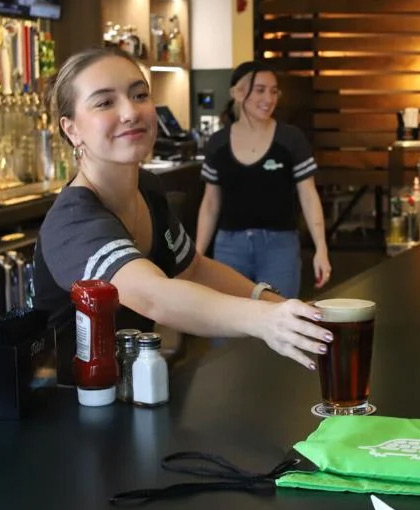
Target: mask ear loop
x: 224, y: 469
x: 239, y: 479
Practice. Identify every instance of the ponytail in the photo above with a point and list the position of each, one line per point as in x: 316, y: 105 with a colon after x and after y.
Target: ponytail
x: 228, y: 115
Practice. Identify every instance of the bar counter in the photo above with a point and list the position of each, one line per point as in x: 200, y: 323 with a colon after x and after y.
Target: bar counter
x: 23, y: 208
x: 241, y: 401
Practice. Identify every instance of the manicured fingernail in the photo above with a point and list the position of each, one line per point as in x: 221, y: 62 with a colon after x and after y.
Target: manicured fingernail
x: 312, y: 366
x: 317, y: 316
x: 328, y: 337
x: 322, y: 349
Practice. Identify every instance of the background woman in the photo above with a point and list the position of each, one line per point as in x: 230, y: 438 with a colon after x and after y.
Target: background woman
x: 112, y: 222
x: 254, y: 169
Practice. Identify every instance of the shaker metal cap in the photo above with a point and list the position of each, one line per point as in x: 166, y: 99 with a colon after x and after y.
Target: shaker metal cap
x: 149, y: 340
x: 125, y: 340
x: 127, y: 334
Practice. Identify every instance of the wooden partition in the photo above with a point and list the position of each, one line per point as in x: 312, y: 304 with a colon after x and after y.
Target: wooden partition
x: 346, y: 68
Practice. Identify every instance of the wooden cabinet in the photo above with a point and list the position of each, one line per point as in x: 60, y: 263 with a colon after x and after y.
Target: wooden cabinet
x: 169, y: 87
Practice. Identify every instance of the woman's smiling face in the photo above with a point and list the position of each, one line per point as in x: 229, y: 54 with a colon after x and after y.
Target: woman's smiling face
x: 259, y: 102
x: 114, y: 117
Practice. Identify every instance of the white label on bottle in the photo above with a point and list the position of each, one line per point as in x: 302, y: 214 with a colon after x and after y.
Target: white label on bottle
x: 83, y: 328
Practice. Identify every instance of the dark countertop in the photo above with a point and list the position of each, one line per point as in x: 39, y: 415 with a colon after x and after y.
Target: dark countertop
x: 241, y: 401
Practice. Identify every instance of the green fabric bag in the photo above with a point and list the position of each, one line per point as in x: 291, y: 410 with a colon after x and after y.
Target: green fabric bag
x: 361, y: 454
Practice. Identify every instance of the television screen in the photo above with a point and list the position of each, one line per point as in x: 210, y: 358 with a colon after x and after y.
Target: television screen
x: 31, y: 8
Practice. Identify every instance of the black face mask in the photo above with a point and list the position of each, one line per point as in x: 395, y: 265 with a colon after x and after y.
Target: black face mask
x: 230, y: 477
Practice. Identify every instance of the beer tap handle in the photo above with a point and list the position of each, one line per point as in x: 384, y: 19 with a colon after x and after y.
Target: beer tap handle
x: 7, y: 270
x: 19, y: 260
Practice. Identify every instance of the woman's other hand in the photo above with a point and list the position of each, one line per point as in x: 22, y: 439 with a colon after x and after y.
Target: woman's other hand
x: 322, y: 268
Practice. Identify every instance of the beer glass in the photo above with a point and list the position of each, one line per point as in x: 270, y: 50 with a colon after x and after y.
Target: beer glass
x: 345, y: 369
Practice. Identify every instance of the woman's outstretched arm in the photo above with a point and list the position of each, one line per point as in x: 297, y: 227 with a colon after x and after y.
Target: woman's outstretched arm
x: 194, y: 308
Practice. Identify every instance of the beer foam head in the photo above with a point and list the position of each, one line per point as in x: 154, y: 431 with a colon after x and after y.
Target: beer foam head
x: 346, y: 310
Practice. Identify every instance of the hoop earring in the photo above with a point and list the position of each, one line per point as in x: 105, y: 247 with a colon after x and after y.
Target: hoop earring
x: 78, y: 153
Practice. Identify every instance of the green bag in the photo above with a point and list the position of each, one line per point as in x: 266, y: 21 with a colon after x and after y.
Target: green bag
x: 361, y: 454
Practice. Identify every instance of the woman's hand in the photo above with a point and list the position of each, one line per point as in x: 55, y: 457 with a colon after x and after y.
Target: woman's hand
x: 322, y: 268
x: 290, y: 329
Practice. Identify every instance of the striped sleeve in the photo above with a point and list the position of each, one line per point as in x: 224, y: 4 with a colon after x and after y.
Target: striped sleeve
x: 180, y: 243
x: 304, y: 169
x: 209, y: 174
x: 209, y: 170
x: 304, y: 164
x: 108, y: 257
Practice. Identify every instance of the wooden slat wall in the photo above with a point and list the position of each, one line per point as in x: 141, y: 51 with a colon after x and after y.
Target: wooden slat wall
x: 346, y: 68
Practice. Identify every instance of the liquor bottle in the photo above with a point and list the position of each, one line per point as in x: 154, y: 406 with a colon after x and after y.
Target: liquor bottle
x: 108, y: 35
x: 130, y: 42
x: 175, y: 42
x: 159, y: 39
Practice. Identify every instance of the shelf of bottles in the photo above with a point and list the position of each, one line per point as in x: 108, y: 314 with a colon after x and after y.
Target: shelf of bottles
x: 166, y: 48
x: 33, y: 160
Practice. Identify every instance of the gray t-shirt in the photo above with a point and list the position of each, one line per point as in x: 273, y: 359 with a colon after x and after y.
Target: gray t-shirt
x: 80, y: 239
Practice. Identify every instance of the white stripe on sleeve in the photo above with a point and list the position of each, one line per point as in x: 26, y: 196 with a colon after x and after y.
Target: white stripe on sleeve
x: 113, y: 257
x: 302, y: 165
x: 180, y: 238
x: 209, y: 173
x: 306, y: 170
x: 184, y: 252
x: 103, y: 252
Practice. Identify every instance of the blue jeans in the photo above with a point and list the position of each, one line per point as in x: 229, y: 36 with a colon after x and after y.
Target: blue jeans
x: 263, y: 256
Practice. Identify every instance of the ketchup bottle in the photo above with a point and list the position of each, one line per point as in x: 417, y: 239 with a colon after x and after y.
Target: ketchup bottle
x: 95, y: 365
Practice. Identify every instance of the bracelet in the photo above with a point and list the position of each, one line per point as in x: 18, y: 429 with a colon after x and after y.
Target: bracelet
x: 260, y: 287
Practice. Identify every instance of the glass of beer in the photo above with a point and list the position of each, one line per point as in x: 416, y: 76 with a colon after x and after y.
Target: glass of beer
x: 345, y: 369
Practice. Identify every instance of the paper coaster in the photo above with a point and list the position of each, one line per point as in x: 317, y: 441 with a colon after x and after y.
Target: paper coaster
x: 319, y: 410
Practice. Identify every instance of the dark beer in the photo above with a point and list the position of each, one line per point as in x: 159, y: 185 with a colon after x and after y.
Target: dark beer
x: 345, y: 369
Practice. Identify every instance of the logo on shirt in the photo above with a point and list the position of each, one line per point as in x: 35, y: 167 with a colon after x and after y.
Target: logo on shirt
x: 169, y: 241
x: 271, y: 164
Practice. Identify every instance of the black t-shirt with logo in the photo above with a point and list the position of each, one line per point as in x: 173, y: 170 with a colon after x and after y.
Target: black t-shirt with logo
x: 261, y: 195
x: 80, y: 239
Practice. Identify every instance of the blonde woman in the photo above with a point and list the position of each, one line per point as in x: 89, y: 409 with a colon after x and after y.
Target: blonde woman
x: 112, y: 222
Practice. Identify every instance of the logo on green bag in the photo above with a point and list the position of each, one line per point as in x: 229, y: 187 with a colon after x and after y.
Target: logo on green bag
x: 271, y: 164
x: 397, y: 448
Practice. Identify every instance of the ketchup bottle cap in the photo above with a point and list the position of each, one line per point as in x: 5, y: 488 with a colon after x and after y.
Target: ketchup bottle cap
x: 95, y: 398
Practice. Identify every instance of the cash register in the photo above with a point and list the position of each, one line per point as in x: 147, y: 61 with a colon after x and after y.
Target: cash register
x: 172, y: 143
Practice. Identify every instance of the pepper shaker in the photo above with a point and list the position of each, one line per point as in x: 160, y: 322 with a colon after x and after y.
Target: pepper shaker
x: 127, y: 351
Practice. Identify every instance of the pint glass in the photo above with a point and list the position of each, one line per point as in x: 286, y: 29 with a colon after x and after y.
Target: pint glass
x: 345, y: 369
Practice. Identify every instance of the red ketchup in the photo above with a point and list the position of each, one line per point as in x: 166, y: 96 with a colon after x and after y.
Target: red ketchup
x: 95, y: 365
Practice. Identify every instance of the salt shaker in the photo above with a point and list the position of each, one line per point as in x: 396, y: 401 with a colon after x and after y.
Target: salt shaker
x: 150, y: 372
x: 127, y: 350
